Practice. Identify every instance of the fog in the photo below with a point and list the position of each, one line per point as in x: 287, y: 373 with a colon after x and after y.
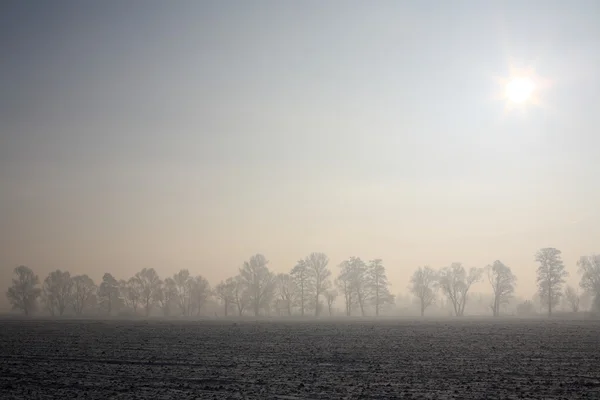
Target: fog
x: 198, y: 134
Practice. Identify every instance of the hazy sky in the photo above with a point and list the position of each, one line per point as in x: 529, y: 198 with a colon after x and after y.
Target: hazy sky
x: 193, y: 134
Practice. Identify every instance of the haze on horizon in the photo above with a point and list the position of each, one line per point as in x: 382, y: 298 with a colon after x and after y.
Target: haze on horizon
x: 175, y: 135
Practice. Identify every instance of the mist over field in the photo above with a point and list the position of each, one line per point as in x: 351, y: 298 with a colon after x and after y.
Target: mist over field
x: 299, y: 200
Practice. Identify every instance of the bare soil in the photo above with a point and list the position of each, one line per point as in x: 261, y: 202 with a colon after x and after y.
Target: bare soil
x: 470, y: 359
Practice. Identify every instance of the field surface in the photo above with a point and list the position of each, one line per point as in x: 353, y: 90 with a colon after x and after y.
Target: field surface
x: 299, y: 360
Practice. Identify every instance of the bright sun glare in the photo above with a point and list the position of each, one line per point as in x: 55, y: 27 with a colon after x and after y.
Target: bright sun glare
x: 519, y: 89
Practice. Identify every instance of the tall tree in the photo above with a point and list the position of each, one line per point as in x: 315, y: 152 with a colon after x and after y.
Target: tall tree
x: 455, y: 283
x: 149, y: 285
x: 24, y: 291
x: 589, y: 268
x: 241, y: 298
x: 131, y: 293
x: 330, y: 296
x: 259, y: 282
x: 378, y: 284
x: 551, y: 275
x: 108, y: 293
x: 166, y: 296
x: 300, y: 275
x: 423, y: 285
x: 318, y: 276
x: 225, y: 291
x: 285, y: 289
x: 56, y: 291
x: 183, y: 288
x: 573, y: 298
x: 503, y: 284
x: 200, y: 293
x: 353, y: 282
x: 84, y: 289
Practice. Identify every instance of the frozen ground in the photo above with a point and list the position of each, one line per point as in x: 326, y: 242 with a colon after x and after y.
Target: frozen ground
x: 299, y: 360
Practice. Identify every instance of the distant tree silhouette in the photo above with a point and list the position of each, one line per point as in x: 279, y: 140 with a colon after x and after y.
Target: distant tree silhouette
x: 503, y: 284
x: 131, y: 292
x: 83, y: 290
x: 149, y: 288
x: 258, y: 281
x: 330, y: 296
x: 551, y: 275
x: 423, y: 285
x: 455, y: 283
x: 225, y: 292
x: 241, y: 297
x: 589, y: 268
x: 108, y: 293
x: 353, y: 281
x: 378, y: 284
x: 166, y: 296
x: 57, y: 291
x: 573, y: 298
x: 318, y: 275
x: 285, y: 289
x: 300, y: 275
x: 200, y: 293
x: 24, y: 291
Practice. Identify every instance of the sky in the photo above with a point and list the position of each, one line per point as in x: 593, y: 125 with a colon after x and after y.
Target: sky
x: 194, y: 134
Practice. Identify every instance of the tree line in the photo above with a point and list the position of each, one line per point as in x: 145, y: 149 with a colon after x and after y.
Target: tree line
x: 307, y: 289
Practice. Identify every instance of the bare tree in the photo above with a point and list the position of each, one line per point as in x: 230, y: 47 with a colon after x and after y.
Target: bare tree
x: 573, y: 298
x: 166, y: 296
x: 423, y: 286
x: 259, y: 282
x: 183, y: 287
x: 455, y: 283
x: 225, y: 291
x: 24, y: 292
x: 589, y: 268
x: 241, y: 298
x: 318, y: 276
x: 353, y: 282
x: 286, y: 290
x: 503, y: 284
x: 330, y: 296
x: 200, y: 293
x: 300, y: 275
x: 551, y: 275
x: 149, y: 285
x: 108, y: 293
x: 131, y: 293
x: 83, y: 290
x: 56, y: 291
x: 378, y: 284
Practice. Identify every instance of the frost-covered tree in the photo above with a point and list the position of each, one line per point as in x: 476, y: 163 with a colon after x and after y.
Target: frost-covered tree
x: 225, y: 292
x: 285, y: 288
x: 83, y: 291
x: 503, y: 284
x: 423, y: 285
x: 108, y: 293
x: 149, y: 286
x: 378, y: 285
x: 56, y: 291
x: 551, y: 275
x: 318, y: 274
x: 24, y: 291
x: 259, y: 282
x: 455, y: 282
x: 589, y: 268
x: 300, y: 275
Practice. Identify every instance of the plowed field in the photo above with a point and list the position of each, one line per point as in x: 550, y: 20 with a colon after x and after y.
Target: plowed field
x: 450, y: 359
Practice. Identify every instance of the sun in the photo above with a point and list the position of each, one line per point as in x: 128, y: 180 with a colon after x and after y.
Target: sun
x: 519, y: 89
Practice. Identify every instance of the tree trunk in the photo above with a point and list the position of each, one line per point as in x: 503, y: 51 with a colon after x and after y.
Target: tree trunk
x: 422, y: 308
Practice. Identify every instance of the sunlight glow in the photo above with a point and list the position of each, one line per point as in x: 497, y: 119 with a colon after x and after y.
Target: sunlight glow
x: 519, y: 89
